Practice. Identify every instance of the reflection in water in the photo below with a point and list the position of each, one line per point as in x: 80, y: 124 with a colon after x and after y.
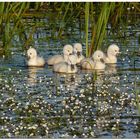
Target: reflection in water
x: 32, y: 75
x: 67, y: 81
x: 111, y: 69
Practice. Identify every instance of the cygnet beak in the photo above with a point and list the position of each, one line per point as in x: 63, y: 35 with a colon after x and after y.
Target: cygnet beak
x: 118, y: 53
x: 78, y: 54
x: 72, y: 67
x: 70, y: 53
x: 28, y: 57
x: 102, y: 60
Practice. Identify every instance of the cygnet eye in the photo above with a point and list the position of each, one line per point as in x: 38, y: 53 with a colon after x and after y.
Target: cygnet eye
x: 115, y: 50
x: 98, y: 55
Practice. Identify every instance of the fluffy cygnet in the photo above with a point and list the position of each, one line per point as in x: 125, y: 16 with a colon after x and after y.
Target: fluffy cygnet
x: 96, y: 62
x: 112, y: 52
x: 33, y: 59
x: 66, y: 67
x: 78, y: 52
x: 67, y: 50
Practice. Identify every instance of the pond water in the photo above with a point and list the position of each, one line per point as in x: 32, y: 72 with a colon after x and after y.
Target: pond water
x: 38, y: 103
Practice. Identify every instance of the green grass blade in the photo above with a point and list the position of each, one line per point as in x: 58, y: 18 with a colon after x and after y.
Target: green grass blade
x: 87, y: 26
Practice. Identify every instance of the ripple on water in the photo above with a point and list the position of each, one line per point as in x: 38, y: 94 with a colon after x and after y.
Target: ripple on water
x: 37, y: 103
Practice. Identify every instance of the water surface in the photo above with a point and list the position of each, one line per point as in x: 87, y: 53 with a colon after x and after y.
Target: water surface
x: 36, y: 102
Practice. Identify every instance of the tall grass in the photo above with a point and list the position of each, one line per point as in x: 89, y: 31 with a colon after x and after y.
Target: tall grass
x: 99, y: 29
x: 98, y: 26
x: 87, y: 25
x: 10, y: 20
x: 109, y: 12
x: 136, y: 89
x: 96, y: 15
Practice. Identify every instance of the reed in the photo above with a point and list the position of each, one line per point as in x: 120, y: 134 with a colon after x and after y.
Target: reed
x: 137, y: 96
x: 99, y: 28
x: 109, y: 12
x: 87, y: 25
x: 97, y: 17
x: 11, y: 20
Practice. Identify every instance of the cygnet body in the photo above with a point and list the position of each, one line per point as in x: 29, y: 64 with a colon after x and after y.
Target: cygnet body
x: 34, y: 59
x: 66, y: 67
x: 67, y: 50
x: 87, y: 63
x: 96, y: 62
x: 78, y: 52
x: 112, y: 52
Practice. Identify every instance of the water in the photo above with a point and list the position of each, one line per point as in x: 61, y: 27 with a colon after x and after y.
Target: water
x: 38, y: 103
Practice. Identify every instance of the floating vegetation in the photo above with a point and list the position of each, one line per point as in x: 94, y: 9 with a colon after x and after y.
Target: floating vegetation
x: 46, y: 109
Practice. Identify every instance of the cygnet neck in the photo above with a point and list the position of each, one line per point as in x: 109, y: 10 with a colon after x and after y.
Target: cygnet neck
x: 112, y: 58
x: 109, y: 54
x: 66, y: 57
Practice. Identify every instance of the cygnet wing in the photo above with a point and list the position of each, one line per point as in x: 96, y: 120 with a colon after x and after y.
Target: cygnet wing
x: 87, y: 63
x: 60, y: 67
x: 40, y: 61
x: 55, y: 59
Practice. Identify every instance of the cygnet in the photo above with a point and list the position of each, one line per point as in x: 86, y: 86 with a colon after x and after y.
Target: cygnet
x: 67, y: 50
x: 34, y: 59
x: 112, y: 52
x: 96, y: 62
x: 78, y: 52
x: 66, y: 67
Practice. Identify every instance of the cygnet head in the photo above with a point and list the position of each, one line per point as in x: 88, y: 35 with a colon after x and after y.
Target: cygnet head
x: 113, y: 50
x: 31, y: 53
x: 67, y: 50
x: 98, y: 56
x: 72, y: 61
x: 78, y: 49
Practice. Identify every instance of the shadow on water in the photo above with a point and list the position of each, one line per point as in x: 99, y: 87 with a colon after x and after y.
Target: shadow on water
x: 38, y: 103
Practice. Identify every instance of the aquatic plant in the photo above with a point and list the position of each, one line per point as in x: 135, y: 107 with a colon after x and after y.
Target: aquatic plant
x: 10, y: 20
x: 97, y: 17
x: 87, y: 25
x: 99, y: 28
